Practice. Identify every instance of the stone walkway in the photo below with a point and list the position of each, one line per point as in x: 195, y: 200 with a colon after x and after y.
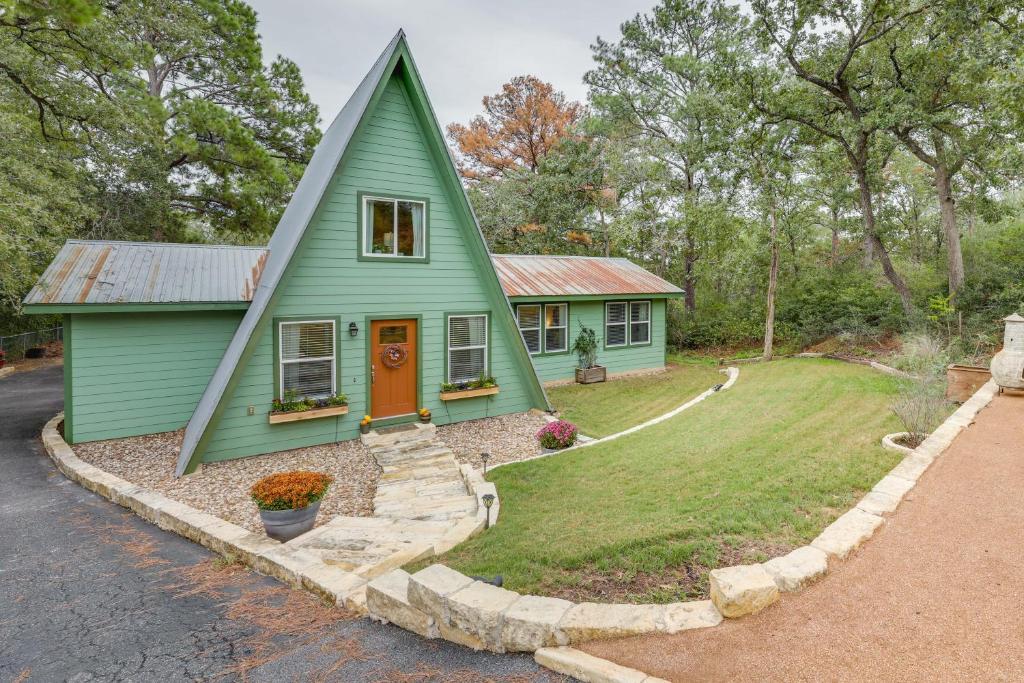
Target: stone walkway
x: 421, y: 496
x: 934, y: 595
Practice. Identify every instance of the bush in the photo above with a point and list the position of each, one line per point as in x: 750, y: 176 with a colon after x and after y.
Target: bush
x: 558, y: 434
x: 920, y: 407
x: 290, y: 490
x: 922, y: 354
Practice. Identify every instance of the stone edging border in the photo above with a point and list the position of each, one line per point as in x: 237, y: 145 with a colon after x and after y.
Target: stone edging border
x: 289, y: 564
x: 438, y: 602
x: 585, y: 667
x: 583, y: 442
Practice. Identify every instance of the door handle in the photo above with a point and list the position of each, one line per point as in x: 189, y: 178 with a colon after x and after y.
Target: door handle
x: 373, y: 373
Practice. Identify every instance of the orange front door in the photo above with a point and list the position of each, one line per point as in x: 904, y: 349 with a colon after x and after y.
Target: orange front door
x: 392, y: 368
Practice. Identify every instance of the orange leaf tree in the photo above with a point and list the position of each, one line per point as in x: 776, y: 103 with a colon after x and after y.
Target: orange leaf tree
x: 520, y: 125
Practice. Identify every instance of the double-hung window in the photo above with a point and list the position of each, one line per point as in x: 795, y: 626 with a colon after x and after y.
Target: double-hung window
x: 639, y: 322
x: 627, y: 323
x: 307, y: 357
x: 556, y: 334
x: 394, y: 228
x: 467, y: 347
x: 615, y: 328
x: 545, y: 327
x: 528, y: 316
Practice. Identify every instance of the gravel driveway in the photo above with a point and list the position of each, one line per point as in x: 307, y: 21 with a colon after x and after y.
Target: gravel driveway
x: 90, y: 592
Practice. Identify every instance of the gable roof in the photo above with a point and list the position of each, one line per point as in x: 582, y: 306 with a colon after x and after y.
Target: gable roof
x: 100, y: 272
x: 290, y: 230
x: 530, y: 275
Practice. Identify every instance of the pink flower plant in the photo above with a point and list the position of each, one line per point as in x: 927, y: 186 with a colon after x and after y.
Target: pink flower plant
x: 555, y: 435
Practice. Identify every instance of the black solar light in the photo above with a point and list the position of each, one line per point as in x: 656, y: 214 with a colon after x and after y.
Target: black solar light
x: 484, y: 458
x: 488, y: 499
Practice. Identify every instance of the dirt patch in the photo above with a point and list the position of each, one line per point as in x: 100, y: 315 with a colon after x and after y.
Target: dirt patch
x: 222, y: 488
x: 854, y: 346
x: 673, y: 584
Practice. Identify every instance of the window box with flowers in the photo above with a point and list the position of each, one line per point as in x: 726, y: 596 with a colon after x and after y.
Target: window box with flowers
x: 484, y: 386
x: 292, y: 409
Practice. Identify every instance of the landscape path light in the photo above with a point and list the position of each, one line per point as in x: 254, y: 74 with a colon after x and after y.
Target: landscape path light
x: 488, y: 499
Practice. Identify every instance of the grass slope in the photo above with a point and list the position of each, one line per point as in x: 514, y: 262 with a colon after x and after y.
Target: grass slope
x: 748, y: 474
x: 603, y: 409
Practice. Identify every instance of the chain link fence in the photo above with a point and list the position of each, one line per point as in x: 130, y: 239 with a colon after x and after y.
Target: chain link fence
x: 30, y: 344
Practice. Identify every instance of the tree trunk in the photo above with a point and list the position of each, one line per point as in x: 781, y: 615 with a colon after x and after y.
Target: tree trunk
x: 773, y: 279
x: 689, y: 283
x: 833, y: 259
x: 874, y: 244
x: 947, y: 211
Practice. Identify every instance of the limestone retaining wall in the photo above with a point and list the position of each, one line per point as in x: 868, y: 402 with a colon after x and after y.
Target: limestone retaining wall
x: 439, y: 602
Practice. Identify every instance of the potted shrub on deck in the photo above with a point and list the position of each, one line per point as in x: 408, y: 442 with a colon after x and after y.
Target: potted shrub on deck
x: 289, y: 502
x: 585, y: 348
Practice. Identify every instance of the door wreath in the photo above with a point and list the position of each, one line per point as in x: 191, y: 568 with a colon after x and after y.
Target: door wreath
x: 394, y: 356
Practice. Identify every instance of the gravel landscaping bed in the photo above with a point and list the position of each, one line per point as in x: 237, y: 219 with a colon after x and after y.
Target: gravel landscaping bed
x: 508, y: 438
x: 222, y: 488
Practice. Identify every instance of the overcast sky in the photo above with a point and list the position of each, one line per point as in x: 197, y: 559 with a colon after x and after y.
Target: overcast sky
x: 464, y: 49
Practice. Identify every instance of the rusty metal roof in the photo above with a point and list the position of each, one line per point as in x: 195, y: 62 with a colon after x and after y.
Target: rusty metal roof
x: 105, y: 272
x: 527, y: 275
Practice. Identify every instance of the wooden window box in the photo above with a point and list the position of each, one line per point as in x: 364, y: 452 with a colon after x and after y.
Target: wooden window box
x: 468, y: 393
x: 298, y: 415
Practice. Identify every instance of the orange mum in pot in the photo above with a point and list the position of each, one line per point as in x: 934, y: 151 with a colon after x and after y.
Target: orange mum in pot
x: 290, y: 490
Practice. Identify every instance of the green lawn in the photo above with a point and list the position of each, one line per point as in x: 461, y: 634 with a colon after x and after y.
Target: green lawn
x: 750, y: 473
x: 603, y: 409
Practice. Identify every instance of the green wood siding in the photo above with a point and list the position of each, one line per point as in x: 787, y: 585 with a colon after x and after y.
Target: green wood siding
x: 553, y: 367
x: 388, y: 157
x: 134, y: 373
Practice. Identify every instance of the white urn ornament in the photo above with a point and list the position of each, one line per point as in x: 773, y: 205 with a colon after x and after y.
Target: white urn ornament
x: 1008, y: 365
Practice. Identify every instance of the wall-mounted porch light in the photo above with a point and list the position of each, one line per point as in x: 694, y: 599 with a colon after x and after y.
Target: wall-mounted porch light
x: 353, y: 329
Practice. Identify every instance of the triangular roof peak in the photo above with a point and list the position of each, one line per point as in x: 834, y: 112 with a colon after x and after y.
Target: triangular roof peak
x: 292, y: 227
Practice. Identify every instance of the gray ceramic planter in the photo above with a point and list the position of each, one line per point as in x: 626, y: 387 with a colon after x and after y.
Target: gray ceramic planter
x: 284, y: 525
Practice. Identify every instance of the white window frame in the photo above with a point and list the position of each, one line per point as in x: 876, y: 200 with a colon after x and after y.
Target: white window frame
x: 367, y: 229
x: 629, y: 320
x: 625, y: 322
x: 333, y: 357
x: 448, y: 343
x: 563, y: 326
x: 539, y: 328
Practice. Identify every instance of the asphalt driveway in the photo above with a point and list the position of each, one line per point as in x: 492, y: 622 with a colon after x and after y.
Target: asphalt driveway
x: 90, y: 592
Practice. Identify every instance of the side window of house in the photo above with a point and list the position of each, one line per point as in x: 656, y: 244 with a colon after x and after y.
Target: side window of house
x: 544, y: 327
x: 640, y: 322
x: 307, y: 358
x: 528, y: 316
x: 615, y: 332
x: 555, y: 328
x: 394, y: 228
x: 467, y: 347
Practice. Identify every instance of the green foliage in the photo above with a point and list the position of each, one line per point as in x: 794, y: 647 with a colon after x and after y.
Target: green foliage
x: 585, y: 347
x: 147, y: 119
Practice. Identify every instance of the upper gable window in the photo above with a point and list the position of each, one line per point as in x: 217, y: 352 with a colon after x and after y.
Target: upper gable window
x: 394, y: 228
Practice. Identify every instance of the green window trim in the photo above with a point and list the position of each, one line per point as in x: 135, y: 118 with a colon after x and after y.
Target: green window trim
x: 627, y: 323
x: 362, y: 197
x: 276, y: 331
x: 542, y: 327
x: 447, y: 347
